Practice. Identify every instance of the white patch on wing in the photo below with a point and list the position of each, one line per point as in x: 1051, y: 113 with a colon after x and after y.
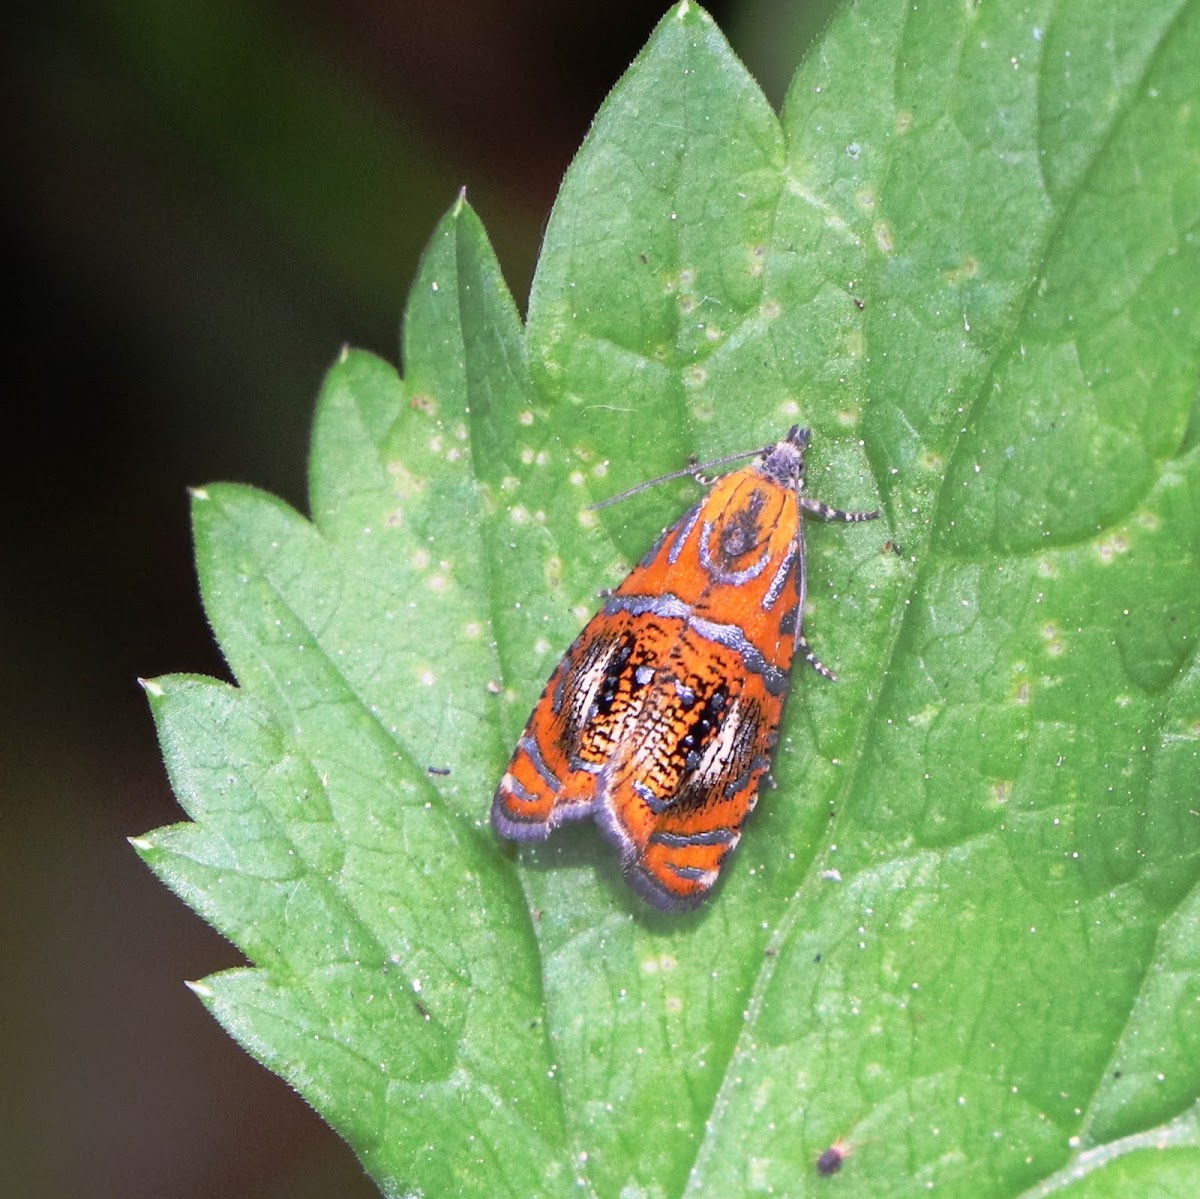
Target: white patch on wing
x: 587, y: 684
x: 713, y: 765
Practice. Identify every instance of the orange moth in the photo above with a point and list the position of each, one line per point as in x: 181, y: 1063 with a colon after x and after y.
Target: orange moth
x: 660, y: 721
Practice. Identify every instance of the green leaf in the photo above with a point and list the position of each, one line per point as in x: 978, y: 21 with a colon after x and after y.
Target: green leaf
x: 960, y: 936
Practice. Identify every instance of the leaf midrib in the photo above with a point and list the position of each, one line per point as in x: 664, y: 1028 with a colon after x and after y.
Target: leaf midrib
x: 869, y: 727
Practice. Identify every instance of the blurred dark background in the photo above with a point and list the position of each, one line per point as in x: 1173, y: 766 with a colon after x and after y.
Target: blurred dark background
x: 205, y: 201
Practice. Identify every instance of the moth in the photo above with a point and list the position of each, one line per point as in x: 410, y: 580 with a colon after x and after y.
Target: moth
x: 660, y: 721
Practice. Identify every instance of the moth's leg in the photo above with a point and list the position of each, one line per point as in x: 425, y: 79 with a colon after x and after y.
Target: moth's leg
x: 827, y: 513
x: 811, y: 658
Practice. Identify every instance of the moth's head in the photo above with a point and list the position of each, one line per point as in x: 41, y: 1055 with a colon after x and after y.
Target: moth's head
x: 799, y: 437
x: 783, y: 462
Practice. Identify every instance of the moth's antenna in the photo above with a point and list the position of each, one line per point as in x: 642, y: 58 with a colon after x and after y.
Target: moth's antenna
x: 688, y: 471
